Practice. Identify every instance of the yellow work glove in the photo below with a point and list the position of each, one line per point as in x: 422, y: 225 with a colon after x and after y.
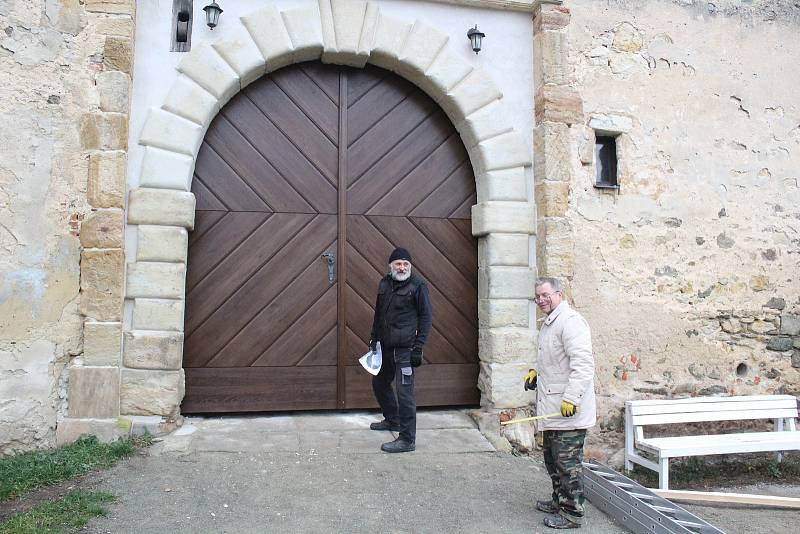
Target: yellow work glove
x: 568, y: 409
x: 530, y: 380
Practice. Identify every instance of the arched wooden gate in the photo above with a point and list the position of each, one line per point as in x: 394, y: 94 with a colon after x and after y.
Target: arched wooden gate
x: 313, y: 162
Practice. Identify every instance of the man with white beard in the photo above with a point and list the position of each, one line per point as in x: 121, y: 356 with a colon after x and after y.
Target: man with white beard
x: 401, y: 323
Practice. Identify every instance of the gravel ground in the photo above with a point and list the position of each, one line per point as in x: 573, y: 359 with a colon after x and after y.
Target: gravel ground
x: 326, y: 474
x: 279, y: 492
x: 748, y: 519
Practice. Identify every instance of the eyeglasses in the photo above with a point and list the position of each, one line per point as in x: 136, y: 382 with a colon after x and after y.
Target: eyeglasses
x: 540, y: 298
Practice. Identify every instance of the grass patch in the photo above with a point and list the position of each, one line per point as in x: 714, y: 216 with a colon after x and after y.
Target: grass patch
x: 69, y: 513
x: 31, y: 470
x: 695, y: 472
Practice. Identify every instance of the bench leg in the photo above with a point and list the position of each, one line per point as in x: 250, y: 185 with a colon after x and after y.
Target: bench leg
x: 779, y: 457
x: 628, y: 466
x: 663, y: 473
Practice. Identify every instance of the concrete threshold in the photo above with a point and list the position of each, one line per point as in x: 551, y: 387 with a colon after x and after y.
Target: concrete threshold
x: 438, y: 432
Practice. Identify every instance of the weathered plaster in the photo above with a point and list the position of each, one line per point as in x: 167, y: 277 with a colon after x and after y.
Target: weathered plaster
x: 679, y: 272
x: 48, y: 59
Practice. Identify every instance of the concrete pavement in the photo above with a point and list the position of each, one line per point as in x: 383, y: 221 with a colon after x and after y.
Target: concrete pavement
x: 325, y: 473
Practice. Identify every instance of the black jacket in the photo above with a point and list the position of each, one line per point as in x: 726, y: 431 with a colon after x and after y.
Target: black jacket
x: 402, y: 313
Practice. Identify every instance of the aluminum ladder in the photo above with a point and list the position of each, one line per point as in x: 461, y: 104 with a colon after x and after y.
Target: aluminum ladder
x: 637, y: 508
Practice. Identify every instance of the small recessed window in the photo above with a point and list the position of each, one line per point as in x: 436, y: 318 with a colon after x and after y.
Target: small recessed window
x: 181, y: 25
x: 605, y: 162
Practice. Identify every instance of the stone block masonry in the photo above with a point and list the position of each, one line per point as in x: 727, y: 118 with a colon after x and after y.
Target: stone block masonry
x: 341, y: 32
x: 93, y: 398
x: 557, y: 106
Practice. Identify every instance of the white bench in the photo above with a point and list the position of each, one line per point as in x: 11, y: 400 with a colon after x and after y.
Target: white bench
x: 782, y: 409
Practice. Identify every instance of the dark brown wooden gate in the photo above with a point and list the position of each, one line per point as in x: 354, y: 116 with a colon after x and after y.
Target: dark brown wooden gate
x: 317, y: 159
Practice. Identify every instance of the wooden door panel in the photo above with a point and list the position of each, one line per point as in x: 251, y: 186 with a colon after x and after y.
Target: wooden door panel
x: 360, y: 81
x: 310, y: 97
x: 448, y: 239
x: 396, y: 168
x: 435, y: 267
x: 365, y: 112
x: 448, y: 199
x: 367, y: 189
x: 280, y: 317
x: 387, y: 132
x: 253, y: 168
x: 304, y: 333
x: 436, y: 385
x: 204, y: 221
x: 204, y: 198
x: 226, y: 187
x: 265, y: 328
x: 297, y: 169
x: 224, y: 283
x: 300, y: 252
x: 299, y: 128
x: 359, y: 320
x: 326, y: 77
x: 464, y: 211
x: 321, y: 354
x: 256, y: 389
x: 220, y: 241
x: 415, y: 187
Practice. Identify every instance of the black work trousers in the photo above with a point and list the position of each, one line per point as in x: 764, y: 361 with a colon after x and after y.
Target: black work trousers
x: 400, y: 409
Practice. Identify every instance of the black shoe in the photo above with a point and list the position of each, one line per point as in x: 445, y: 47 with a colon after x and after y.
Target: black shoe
x: 398, y: 445
x: 385, y: 425
x: 560, y: 522
x: 548, y: 507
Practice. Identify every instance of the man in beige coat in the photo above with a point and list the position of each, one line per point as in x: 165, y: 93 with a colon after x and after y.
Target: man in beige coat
x: 564, y: 382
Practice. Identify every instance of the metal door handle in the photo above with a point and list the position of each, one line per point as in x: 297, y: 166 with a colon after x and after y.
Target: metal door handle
x: 330, y: 259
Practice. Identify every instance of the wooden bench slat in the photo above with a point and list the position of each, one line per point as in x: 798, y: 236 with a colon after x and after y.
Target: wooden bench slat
x: 722, y: 444
x: 697, y: 400
x: 696, y: 417
x: 714, y: 407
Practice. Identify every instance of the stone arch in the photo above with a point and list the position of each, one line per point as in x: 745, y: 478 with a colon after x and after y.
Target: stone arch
x: 347, y: 32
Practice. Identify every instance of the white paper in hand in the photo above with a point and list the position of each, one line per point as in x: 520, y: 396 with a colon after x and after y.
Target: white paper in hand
x: 371, y: 361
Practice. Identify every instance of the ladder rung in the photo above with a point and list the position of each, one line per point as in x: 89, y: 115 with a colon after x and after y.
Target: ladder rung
x: 623, y: 484
x: 688, y: 524
x: 643, y: 496
x: 663, y: 509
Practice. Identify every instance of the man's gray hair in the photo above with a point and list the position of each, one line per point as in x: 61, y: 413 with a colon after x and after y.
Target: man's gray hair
x: 555, y: 283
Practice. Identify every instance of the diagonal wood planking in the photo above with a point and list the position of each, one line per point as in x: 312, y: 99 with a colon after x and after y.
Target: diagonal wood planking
x: 266, y: 183
x: 408, y: 173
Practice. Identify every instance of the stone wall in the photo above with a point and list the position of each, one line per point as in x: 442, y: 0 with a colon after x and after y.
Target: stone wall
x: 688, y: 274
x: 64, y: 102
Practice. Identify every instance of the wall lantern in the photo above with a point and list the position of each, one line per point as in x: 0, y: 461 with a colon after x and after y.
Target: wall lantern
x: 476, y: 38
x: 213, y: 11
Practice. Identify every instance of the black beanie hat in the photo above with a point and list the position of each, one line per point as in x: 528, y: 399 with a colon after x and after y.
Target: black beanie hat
x: 400, y: 254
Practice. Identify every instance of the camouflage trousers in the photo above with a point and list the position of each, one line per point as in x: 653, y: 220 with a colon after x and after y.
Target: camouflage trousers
x: 563, y: 457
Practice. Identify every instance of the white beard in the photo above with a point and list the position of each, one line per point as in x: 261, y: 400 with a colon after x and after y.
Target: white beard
x: 400, y: 277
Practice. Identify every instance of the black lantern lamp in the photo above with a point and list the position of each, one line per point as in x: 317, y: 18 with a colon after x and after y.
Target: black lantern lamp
x: 213, y: 11
x: 476, y: 38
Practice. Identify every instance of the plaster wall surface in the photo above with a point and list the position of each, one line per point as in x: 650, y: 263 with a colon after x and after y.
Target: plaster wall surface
x: 44, y: 91
x: 688, y: 274
x: 507, y: 55
x: 502, y: 74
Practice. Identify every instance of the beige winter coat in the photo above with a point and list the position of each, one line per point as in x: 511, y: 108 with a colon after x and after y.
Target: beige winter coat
x: 565, y: 367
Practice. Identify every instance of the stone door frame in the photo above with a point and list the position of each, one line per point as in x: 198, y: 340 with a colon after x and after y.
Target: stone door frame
x: 349, y: 33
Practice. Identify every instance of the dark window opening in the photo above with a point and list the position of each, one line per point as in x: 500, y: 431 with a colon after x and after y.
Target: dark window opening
x: 605, y: 161
x: 181, y: 26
